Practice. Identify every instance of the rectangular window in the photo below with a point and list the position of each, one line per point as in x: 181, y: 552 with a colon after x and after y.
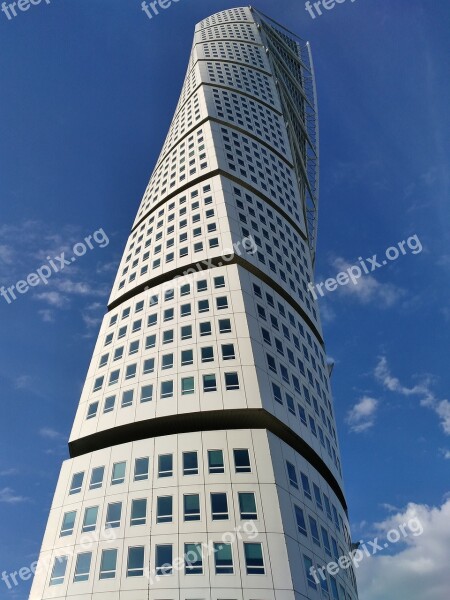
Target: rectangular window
x: 231, y: 381
x: 82, y: 567
x: 168, y: 336
x: 222, y: 302
x: 309, y: 577
x: 318, y: 496
x: 219, y: 282
x: 113, y: 515
x: 146, y: 393
x: 247, y: 505
x: 114, y: 377
x: 242, y: 461
x: 134, y: 347
x: 254, y: 558
x: 186, y: 332
x: 305, y: 485
x: 163, y: 560
x: 185, y: 310
x: 98, y: 383
x: 141, y: 468
x: 209, y: 383
x: 292, y: 475
x: 167, y: 361
x: 92, y: 410
x: 314, y: 530
x: 109, y: 404
x: 300, y: 518
x: 108, y: 564
x: 150, y: 342
x: 59, y: 570
x: 138, y: 512
x: 190, y: 463
x: 118, y: 353
x: 118, y: 473
x: 228, y: 352
x: 326, y: 540
x: 224, y: 325
x: 193, y: 560
x: 130, y: 371
x: 203, y: 306
x: 205, y: 328
x: 167, y: 389
x: 90, y: 519
x: 187, y: 386
x: 164, y: 508
x: 165, y: 465
x: 68, y: 523
x: 135, y: 564
x: 77, y: 483
x: 215, y: 461
x: 207, y: 354
x: 223, y: 559
x: 96, y: 478
x: 191, y: 507
x: 127, y: 398
x: 219, y: 506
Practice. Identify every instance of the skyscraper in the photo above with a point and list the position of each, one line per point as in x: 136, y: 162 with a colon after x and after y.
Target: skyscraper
x: 204, y: 456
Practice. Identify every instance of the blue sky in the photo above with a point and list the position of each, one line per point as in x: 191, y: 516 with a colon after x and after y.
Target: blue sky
x: 88, y: 92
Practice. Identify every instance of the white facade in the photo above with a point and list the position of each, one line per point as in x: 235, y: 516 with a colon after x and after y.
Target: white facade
x: 205, y: 428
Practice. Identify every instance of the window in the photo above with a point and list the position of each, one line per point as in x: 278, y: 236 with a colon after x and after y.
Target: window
x: 146, y: 393
x: 130, y: 371
x: 193, y: 560
x: 205, y: 328
x: 163, y: 561
x: 318, y: 496
x: 68, y: 523
x: 118, y: 353
x: 254, y: 558
x: 185, y: 289
x: 231, y: 381
x: 165, y: 465
x: 141, y: 468
x: 187, y: 386
x: 137, y: 325
x: 314, y: 530
x: 308, y: 566
x: 167, y: 389
x: 113, y: 515
x: 92, y: 410
x: 108, y: 564
x: 150, y: 342
x: 224, y: 325
x: 114, y: 377
x: 207, y: 354
x: 191, y: 507
x: 219, y: 506
x: 326, y: 540
x: 168, y: 336
x: 135, y: 564
x: 228, y: 352
x: 215, y: 461
x: 77, y: 482
x: 134, y: 347
x: 164, y: 507
x: 167, y: 361
x: 292, y: 474
x: 138, y: 512
x: 223, y: 559
x: 127, y: 398
x: 334, y: 589
x: 202, y: 285
x: 96, y: 478
x: 242, y: 461
x: 109, y: 404
x: 59, y: 570
x: 300, y: 518
x: 185, y: 310
x: 222, y: 302
x: 305, y: 485
x: 190, y: 463
x: 247, y: 505
x: 186, y: 332
x: 168, y: 314
x: 82, y: 567
x: 209, y: 383
x: 98, y: 383
x: 90, y: 519
x: 203, y: 306
x: 219, y: 282
x: 118, y: 473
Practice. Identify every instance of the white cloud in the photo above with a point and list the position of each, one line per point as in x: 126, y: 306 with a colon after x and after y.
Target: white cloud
x: 445, y: 453
x: 423, y: 390
x: 419, y: 569
x: 6, y: 254
x: 52, y: 298
x: 362, y: 416
x: 8, y: 496
x: 368, y: 289
x: 50, y: 434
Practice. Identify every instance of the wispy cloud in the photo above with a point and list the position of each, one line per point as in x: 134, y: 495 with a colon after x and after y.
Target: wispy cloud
x: 50, y: 434
x: 423, y: 390
x: 8, y: 496
x: 7, y: 472
x: 368, y: 290
x: 362, y: 415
